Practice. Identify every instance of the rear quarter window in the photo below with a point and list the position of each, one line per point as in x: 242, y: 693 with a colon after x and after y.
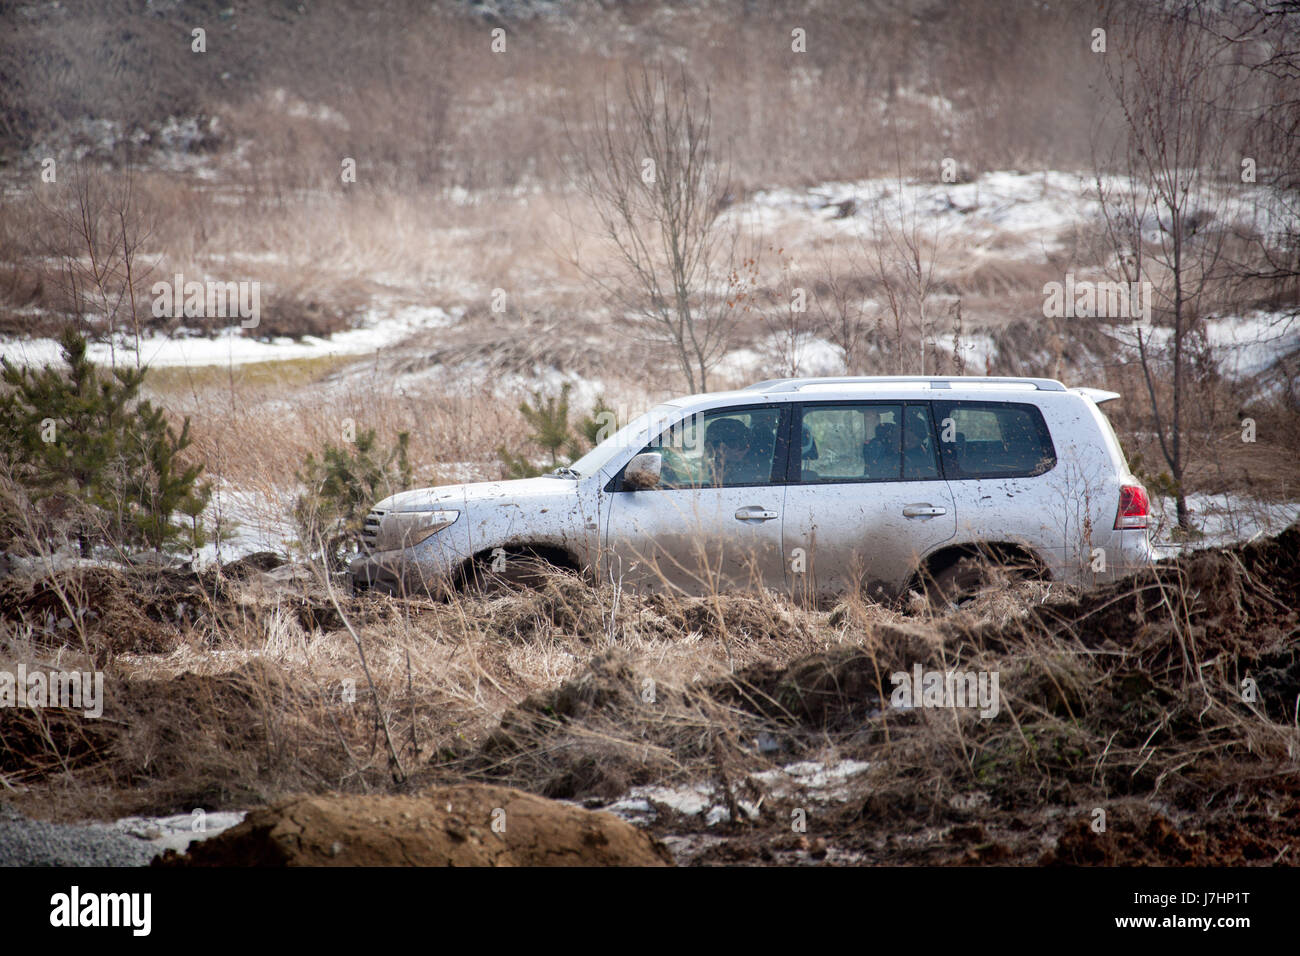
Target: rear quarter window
x: 993, y: 440
x: 1117, y: 447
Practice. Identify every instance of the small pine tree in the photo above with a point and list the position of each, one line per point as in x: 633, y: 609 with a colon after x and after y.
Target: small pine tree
x: 549, y: 418
x: 340, y: 487
x: 193, y: 507
x: 167, y: 486
x: 598, y: 421
x: 83, y: 444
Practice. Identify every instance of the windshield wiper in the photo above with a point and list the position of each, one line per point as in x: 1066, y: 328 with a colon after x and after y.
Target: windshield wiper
x: 563, y: 472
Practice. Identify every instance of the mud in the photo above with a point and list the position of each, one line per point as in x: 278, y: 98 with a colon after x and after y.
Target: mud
x: 1131, y: 699
x: 1167, y: 701
x: 448, y: 826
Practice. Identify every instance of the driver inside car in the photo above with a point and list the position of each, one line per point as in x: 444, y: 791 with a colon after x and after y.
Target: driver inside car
x: 729, y: 455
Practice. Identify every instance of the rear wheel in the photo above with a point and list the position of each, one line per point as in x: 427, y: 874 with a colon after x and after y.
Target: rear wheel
x: 971, y: 576
x: 959, y: 583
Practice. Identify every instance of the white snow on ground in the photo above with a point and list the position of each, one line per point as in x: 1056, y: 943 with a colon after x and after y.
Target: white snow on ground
x: 688, y: 801
x: 1035, y: 206
x: 813, y: 779
x: 1248, y: 345
x: 232, y: 346
x: 1039, y: 208
x: 821, y: 781
x: 175, y: 832
x: 978, y: 350
x: 1245, y: 346
x: 249, y: 522
x: 812, y: 355
x: 1222, y: 520
x: 481, y: 376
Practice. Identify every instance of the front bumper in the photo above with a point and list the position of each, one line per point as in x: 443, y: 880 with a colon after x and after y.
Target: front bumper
x: 417, y: 570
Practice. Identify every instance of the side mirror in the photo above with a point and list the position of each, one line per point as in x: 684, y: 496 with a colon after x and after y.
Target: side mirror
x: 642, y: 472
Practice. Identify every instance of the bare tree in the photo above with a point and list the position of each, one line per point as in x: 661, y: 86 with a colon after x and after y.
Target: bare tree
x: 841, y: 312
x: 902, y: 258
x: 789, y: 324
x: 97, y: 233
x: 675, y: 262
x: 1264, y: 38
x: 1162, y: 195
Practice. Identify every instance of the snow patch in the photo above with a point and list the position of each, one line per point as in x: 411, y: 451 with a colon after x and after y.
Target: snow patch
x: 231, y: 346
x: 176, y: 832
x: 813, y: 780
x: 1222, y: 520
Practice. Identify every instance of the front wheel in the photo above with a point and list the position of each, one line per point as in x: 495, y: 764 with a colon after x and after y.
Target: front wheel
x: 503, y: 572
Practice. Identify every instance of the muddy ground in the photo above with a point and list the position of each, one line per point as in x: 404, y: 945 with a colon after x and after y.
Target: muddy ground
x: 1152, y: 721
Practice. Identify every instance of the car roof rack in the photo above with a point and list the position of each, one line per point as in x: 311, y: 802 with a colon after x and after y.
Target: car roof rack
x: 935, y: 381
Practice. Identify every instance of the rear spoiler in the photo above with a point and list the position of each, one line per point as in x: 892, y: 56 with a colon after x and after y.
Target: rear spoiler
x: 1098, y: 395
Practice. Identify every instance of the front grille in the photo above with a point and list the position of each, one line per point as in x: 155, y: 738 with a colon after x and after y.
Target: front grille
x: 370, y: 530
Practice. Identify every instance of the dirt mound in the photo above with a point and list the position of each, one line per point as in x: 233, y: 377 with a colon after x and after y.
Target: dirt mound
x: 1240, y: 600
x: 142, y: 610
x: 197, y: 739
x: 258, y: 561
x: 35, y: 743
x: 213, y: 736
x: 836, y: 688
x: 117, y: 610
x: 467, y: 825
x: 557, y: 601
x: 571, y: 742
x: 730, y: 615
x: 1140, y: 836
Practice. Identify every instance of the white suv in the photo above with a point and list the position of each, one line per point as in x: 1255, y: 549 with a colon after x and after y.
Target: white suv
x: 815, y: 486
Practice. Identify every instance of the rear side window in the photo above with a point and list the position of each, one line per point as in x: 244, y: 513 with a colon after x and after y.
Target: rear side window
x: 865, y: 441
x: 993, y: 440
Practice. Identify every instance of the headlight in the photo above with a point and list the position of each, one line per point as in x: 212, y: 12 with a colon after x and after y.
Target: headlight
x: 405, y: 529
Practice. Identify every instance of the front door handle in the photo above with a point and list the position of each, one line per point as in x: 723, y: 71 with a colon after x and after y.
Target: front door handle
x: 923, y: 511
x: 755, y: 513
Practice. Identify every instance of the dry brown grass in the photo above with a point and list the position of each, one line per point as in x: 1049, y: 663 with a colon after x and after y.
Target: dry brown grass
x: 1129, y: 693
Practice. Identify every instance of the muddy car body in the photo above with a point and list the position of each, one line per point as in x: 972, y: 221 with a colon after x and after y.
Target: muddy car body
x: 814, y: 486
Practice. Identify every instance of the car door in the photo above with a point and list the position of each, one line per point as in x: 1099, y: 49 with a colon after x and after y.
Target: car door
x: 714, y: 521
x: 866, y: 499
x: 997, y: 457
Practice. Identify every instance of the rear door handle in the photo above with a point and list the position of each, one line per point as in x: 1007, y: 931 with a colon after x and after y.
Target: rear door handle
x: 755, y: 513
x: 923, y: 511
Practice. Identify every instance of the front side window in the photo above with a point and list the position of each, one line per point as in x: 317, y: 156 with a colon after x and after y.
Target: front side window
x: 719, y: 449
x: 866, y: 442
x: 994, y: 440
x: 629, y: 435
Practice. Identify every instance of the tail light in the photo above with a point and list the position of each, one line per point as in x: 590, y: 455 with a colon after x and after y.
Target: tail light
x: 1134, y: 507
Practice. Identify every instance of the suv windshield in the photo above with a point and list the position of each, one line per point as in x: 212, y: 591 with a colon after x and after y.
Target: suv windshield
x: 632, y: 435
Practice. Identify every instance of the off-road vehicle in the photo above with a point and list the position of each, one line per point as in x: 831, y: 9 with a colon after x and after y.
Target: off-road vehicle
x: 815, y: 486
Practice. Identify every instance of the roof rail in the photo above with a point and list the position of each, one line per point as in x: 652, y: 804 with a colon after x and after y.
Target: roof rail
x: 935, y: 381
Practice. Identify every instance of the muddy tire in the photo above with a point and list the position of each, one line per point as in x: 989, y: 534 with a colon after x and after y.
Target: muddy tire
x: 961, y: 582
x: 506, y: 573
